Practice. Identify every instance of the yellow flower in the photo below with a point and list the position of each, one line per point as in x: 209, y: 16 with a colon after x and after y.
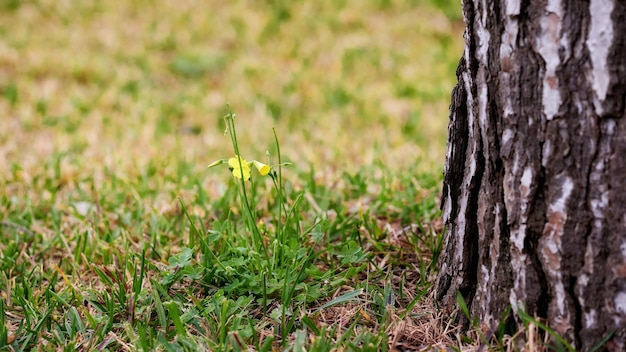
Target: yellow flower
x: 238, y: 165
x: 237, y: 169
x: 264, y: 169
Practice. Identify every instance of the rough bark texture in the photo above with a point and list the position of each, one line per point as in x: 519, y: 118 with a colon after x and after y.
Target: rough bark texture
x: 535, y: 176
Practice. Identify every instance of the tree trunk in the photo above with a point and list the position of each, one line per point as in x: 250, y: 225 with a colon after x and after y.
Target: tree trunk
x: 534, y: 193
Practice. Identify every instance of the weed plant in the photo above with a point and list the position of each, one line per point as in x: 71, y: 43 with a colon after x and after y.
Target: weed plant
x: 280, y: 256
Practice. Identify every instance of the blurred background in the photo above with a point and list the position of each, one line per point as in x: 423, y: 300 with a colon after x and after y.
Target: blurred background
x: 121, y: 86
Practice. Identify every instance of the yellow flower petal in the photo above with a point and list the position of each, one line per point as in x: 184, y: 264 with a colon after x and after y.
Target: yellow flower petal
x: 264, y: 169
x: 239, y: 165
x: 246, y: 173
x: 234, y: 162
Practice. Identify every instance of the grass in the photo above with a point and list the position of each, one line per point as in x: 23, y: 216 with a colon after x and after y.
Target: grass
x: 115, y: 236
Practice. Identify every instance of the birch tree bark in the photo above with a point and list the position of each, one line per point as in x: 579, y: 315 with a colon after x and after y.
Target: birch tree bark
x: 534, y: 193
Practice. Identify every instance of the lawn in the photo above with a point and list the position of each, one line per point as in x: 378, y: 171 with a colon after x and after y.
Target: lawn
x: 114, y: 234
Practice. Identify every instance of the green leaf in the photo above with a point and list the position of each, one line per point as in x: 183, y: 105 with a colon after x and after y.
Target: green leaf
x: 181, y: 259
x: 560, y: 339
x: 158, y: 306
x: 601, y: 343
x: 174, y: 313
x: 352, y: 253
x: 346, y: 297
x: 461, y: 302
x: 311, y: 325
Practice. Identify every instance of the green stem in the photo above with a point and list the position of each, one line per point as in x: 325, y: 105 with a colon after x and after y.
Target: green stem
x: 280, y: 226
x: 230, y: 122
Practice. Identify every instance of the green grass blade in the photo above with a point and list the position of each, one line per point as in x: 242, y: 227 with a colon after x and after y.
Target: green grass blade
x: 461, y: 302
x: 174, y: 314
x: 346, y: 297
x: 601, y: 343
x: 311, y: 325
x: 528, y: 319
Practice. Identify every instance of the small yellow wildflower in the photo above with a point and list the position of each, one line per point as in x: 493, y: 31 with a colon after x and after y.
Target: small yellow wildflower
x: 237, y: 169
x: 264, y: 169
x: 238, y: 165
